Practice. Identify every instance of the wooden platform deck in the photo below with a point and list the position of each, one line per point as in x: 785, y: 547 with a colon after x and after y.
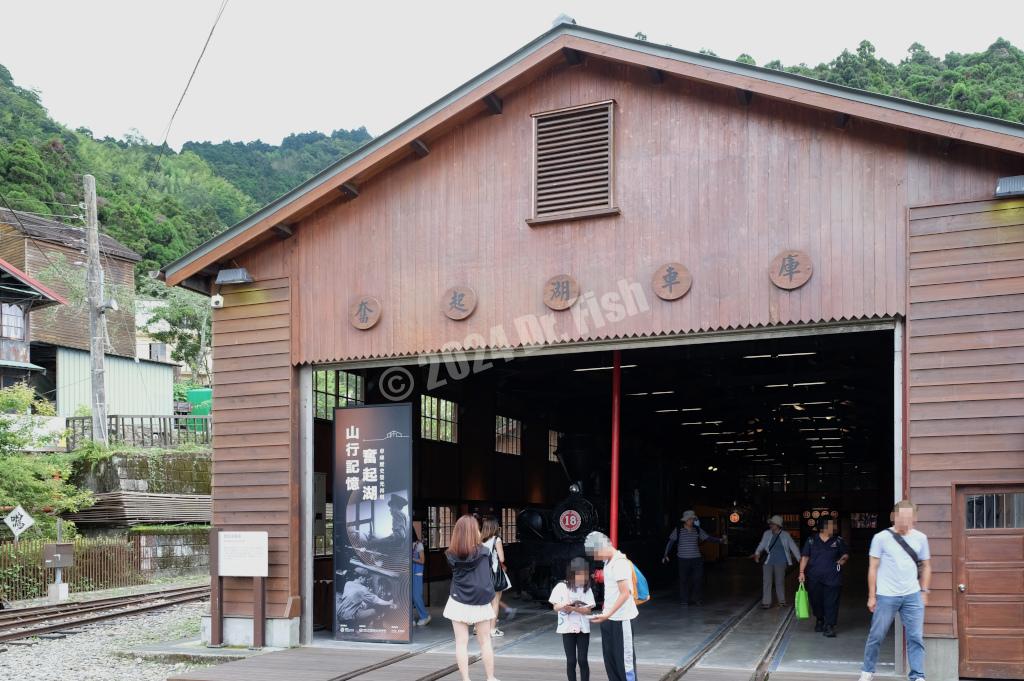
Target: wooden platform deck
x: 322, y: 664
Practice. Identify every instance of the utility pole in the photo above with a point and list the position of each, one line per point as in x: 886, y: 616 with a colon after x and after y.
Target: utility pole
x: 96, y: 311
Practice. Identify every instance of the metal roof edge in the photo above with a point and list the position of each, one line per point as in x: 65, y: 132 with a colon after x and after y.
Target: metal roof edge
x: 968, y: 119
x: 365, y: 150
x: 678, y: 54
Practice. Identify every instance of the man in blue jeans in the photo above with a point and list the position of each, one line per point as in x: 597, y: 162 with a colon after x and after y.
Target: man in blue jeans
x: 898, y: 579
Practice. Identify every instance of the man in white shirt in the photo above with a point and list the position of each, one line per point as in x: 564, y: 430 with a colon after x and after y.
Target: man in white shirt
x: 619, y: 609
x: 896, y: 584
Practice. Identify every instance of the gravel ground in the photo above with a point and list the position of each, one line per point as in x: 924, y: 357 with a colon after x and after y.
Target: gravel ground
x: 90, y: 655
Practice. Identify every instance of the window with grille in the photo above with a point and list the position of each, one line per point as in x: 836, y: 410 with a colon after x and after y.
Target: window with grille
x: 553, y: 436
x: 995, y: 511
x: 508, y: 435
x: 573, y: 163
x: 509, y: 535
x: 12, y: 321
x: 438, y: 419
x: 440, y: 523
x: 335, y: 388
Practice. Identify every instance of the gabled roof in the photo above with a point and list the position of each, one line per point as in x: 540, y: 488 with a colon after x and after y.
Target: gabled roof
x: 16, y: 286
x: 54, y: 232
x: 534, y: 58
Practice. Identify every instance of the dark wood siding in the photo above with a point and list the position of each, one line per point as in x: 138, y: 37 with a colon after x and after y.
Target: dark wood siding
x: 700, y: 179
x: 68, y: 325
x: 965, y: 367
x: 12, y: 246
x: 255, y: 480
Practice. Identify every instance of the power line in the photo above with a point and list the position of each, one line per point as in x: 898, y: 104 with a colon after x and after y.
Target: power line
x: 194, y: 69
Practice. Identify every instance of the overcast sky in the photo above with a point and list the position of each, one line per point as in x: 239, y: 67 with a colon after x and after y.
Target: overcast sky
x: 280, y: 66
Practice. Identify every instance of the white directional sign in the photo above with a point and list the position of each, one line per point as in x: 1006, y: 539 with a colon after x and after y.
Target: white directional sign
x: 19, y: 521
x: 242, y: 554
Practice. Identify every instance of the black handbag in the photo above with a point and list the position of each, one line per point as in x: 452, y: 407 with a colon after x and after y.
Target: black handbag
x: 498, y: 576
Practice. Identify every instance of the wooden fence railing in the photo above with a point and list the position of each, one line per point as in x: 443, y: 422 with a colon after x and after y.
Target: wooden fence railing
x: 144, y: 431
x: 100, y: 563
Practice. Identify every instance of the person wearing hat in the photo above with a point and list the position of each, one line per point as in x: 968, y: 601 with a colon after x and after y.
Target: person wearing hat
x: 780, y: 552
x: 687, y: 538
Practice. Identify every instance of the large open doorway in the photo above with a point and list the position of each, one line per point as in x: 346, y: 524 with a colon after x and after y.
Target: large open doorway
x: 798, y: 423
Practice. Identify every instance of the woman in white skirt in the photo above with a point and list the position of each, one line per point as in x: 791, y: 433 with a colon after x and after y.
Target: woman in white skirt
x: 471, y: 594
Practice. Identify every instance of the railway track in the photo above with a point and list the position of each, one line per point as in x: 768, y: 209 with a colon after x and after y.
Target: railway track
x: 46, y: 619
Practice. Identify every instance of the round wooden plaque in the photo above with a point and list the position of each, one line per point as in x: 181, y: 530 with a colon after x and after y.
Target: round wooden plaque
x: 458, y: 302
x: 671, y: 281
x: 364, y: 312
x: 791, y: 269
x: 561, y: 291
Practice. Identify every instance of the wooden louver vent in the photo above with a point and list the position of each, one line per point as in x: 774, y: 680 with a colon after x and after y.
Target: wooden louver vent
x: 573, y: 162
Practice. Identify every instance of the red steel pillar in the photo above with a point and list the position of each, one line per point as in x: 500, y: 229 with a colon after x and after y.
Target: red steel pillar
x: 613, y: 513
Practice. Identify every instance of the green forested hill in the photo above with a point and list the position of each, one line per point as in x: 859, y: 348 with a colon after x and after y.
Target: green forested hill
x: 155, y: 201
x: 162, y: 203
x: 265, y: 172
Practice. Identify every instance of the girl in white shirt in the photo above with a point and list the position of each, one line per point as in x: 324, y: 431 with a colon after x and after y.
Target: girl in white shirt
x: 573, y: 600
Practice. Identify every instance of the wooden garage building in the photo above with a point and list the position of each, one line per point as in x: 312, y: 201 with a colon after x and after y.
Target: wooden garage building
x: 603, y: 157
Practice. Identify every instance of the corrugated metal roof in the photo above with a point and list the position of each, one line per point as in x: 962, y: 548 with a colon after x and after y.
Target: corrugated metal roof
x: 959, y: 118
x: 55, y: 232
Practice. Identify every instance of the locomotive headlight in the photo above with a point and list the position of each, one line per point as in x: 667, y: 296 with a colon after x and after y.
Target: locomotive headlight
x: 574, y: 488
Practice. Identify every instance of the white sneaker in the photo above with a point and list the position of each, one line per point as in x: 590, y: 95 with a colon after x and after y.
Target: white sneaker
x: 866, y: 676
x: 497, y: 633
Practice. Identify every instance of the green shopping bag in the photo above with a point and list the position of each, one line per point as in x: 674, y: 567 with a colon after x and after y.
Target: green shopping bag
x: 803, y: 603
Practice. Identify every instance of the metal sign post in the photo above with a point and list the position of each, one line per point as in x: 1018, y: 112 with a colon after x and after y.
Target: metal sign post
x: 58, y: 556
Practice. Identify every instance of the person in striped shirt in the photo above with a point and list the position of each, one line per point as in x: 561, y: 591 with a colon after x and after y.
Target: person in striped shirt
x: 687, y: 539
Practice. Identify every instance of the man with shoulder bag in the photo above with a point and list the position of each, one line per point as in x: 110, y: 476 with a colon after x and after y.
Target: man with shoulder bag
x: 898, y: 578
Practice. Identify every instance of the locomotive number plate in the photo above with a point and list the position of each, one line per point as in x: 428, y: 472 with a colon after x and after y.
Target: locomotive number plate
x: 570, y: 521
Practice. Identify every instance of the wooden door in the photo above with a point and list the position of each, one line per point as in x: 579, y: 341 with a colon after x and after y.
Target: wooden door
x: 990, y: 580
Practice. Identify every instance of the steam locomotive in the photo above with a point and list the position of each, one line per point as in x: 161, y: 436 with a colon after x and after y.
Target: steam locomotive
x: 550, y: 539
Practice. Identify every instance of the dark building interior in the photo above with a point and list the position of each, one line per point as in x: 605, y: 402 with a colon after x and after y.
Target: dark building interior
x: 800, y: 426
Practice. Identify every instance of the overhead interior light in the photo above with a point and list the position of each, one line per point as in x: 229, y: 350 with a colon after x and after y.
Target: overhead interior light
x: 624, y: 366
x: 832, y: 428
x: 725, y: 442
x: 715, y: 423
x: 809, y: 383
x: 814, y: 403
x: 817, y: 446
x: 710, y: 433
x: 691, y: 409
x: 777, y: 385
x: 636, y: 394
x: 692, y: 484
x: 663, y: 392
x: 831, y: 438
x: 711, y: 468
x: 811, y: 439
x: 664, y: 411
x: 693, y: 423
x: 751, y: 449
x: 795, y: 354
x: 808, y: 430
x: 703, y: 486
x: 757, y: 356
x: 735, y: 449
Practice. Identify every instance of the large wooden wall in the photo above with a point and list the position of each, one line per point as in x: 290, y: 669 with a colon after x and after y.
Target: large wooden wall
x: 255, y: 459
x: 700, y: 178
x: 966, y: 368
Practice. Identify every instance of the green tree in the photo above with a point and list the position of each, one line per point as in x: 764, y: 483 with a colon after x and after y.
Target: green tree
x: 184, y: 323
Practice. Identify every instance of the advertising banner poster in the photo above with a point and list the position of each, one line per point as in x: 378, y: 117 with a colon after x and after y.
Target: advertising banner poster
x: 372, y: 523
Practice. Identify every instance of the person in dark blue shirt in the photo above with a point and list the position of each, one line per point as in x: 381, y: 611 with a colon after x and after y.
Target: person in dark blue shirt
x: 821, y: 567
